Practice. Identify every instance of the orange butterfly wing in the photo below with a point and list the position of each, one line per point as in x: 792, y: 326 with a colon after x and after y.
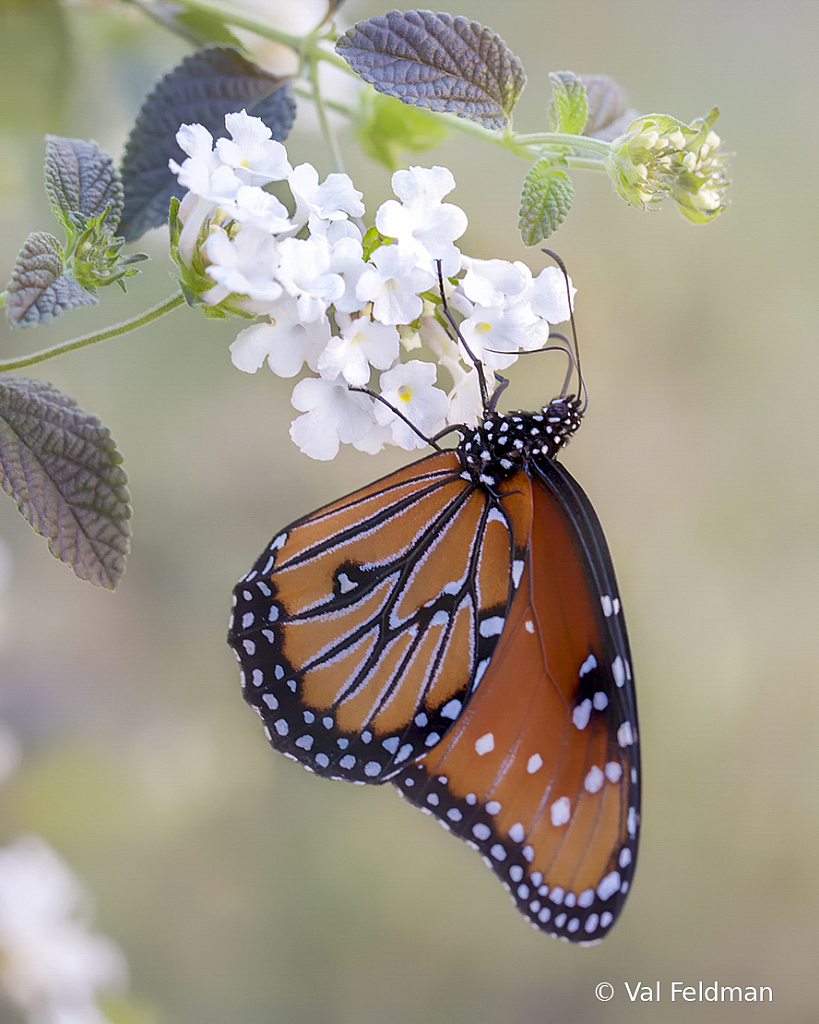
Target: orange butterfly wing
x: 364, y: 627
x: 541, y: 771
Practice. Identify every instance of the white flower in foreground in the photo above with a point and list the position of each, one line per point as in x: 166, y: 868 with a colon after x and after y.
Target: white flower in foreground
x: 305, y: 273
x: 491, y: 282
x: 547, y: 295
x: 332, y: 414
x: 409, y: 387
x: 51, y: 964
x: 255, y: 156
x: 256, y: 208
x: 202, y: 172
x: 392, y: 283
x: 421, y: 220
x: 495, y: 334
x: 287, y: 343
x: 243, y: 265
x: 334, y: 199
x: 465, y: 401
x: 363, y: 343
x: 346, y: 261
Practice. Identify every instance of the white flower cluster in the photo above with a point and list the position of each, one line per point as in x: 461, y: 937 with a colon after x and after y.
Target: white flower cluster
x: 52, y: 966
x: 346, y: 303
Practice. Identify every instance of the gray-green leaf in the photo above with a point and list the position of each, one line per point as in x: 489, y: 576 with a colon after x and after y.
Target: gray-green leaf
x: 439, y: 62
x: 39, y: 290
x: 546, y: 198
x: 609, y: 111
x: 82, y: 181
x: 63, y: 469
x: 201, y: 90
x: 570, y: 107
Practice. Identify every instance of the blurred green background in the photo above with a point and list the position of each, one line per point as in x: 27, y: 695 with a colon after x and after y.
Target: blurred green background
x: 241, y: 888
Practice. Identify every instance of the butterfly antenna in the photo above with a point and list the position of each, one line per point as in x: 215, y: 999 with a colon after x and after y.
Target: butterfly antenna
x: 475, y: 361
x: 565, y: 348
x: 580, y: 378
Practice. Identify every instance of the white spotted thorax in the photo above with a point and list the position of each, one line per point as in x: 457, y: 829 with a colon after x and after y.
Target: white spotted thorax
x: 504, y: 443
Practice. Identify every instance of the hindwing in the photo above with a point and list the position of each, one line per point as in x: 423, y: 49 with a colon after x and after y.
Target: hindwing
x: 541, y: 773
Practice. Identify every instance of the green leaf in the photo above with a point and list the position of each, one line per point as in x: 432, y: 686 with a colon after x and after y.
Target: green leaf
x: 438, y: 62
x: 388, y: 128
x: 63, y: 469
x: 372, y: 240
x: 39, y: 288
x: 546, y: 198
x: 201, y: 90
x: 201, y: 28
x: 570, y: 108
x: 82, y: 182
x: 609, y: 110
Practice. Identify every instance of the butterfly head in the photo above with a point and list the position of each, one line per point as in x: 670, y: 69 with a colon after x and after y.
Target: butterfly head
x: 505, y: 443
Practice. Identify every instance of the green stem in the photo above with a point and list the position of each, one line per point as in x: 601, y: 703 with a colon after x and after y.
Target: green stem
x: 228, y: 14
x: 309, y: 48
x: 551, y: 139
x: 321, y: 110
x: 91, y: 339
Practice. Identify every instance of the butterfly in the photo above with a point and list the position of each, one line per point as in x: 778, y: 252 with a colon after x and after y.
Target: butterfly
x: 455, y: 628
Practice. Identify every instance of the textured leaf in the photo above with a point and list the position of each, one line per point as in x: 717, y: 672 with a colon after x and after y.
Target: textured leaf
x: 546, y: 198
x: 81, y: 180
x: 389, y: 128
x: 201, y: 28
x: 202, y: 89
x: 39, y: 290
x: 609, y: 112
x: 570, y: 107
x: 439, y: 62
x: 63, y: 469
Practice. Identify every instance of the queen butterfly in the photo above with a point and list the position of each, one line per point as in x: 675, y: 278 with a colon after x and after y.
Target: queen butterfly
x: 456, y: 628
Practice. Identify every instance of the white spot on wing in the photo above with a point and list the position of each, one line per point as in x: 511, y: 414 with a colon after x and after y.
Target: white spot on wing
x: 625, y: 734
x: 619, y: 671
x: 534, y: 762
x: 516, y: 833
x: 613, y: 771
x: 517, y: 572
x: 451, y: 709
x: 588, y: 665
x: 485, y: 743
x: 609, y: 886
x: 594, y: 780
x: 561, y: 811
x: 608, y: 607
x: 491, y: 626
x: 582, y: 713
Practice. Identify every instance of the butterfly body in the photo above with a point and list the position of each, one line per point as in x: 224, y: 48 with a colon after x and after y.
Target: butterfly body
x: 456, y: 628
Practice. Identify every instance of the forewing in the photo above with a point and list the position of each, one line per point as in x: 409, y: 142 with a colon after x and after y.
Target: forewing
x: 541, y: 772
x: 364, y: 627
